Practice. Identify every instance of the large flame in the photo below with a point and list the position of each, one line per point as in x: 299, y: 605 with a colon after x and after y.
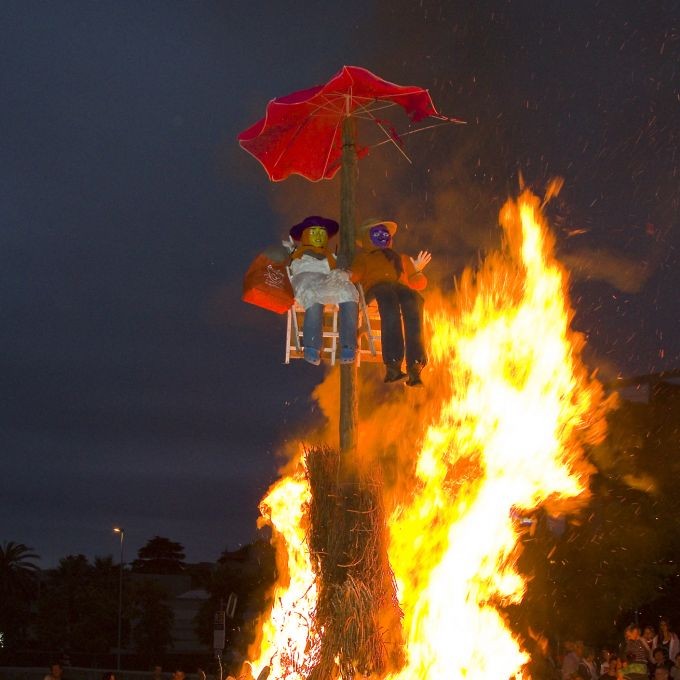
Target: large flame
x: 284, y: 639
x: 501, y: 429
x: 508, y: 438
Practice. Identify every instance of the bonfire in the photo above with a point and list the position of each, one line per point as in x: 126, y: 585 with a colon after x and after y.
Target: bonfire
x: 501, y: 431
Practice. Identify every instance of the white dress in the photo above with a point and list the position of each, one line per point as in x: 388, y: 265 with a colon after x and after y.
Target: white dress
x: 314, y: 282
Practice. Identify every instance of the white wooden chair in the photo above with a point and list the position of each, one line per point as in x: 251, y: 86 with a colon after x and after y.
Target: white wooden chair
x: 369, y: 345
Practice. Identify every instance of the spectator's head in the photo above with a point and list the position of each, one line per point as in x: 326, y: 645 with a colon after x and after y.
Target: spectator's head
x: 659, y: 655
x: 661, y: 673
x: 578, y: 647
x: 664, y: 627
x: 588, y: 653
x: 109, y: 675
x: 632, y: 631
x: 157, y: 671
x: 179, y: 674
x: 56, y: 670
x: 648, y: 633
x: 605, y: 654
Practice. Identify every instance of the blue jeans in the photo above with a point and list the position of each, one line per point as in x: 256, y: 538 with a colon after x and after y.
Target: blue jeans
x: 347, y: 325
x: 396, y: 301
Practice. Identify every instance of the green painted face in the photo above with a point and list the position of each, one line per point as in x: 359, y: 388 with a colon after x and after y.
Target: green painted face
x: 315, y: 236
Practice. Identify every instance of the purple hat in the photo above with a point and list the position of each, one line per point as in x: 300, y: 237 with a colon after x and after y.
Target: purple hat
x: 331, y: 226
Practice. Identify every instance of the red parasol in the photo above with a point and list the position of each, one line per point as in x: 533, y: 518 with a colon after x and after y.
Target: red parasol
x: 301, y: 133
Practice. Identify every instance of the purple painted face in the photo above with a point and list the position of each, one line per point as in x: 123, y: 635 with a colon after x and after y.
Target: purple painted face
x: 380, y: 236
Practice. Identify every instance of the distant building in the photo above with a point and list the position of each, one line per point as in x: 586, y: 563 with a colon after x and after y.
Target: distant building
x: 185, y: 602
x: 185, y: 608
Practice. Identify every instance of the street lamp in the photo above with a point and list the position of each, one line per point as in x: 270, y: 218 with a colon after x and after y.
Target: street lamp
x: 121, y: 531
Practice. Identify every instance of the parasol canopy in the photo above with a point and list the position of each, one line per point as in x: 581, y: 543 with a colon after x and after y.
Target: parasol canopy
x: 301, y: 133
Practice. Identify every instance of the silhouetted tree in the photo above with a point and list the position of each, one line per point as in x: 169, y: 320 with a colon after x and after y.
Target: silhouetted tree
x: 18, y: 581
x: 152, y: 620
x: 160, y: 556
x: 78, y: 606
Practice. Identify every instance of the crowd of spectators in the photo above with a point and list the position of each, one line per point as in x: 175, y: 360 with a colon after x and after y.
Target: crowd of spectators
x: 57, y: 673
x: 644, y: 654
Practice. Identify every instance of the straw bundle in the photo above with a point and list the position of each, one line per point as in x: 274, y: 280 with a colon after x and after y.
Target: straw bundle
x: 357, y: 618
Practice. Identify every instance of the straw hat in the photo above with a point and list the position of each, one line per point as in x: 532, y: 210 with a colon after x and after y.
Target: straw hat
x: 374, y: 222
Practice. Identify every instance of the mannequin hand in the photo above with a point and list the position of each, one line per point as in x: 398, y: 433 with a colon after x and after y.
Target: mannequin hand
x: 422, y: 260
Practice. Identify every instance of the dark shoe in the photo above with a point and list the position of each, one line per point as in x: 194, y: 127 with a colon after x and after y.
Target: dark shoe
x: 414, y: 370
x: 312, y: 355
x: 393, y: 372
x: 347, y: 355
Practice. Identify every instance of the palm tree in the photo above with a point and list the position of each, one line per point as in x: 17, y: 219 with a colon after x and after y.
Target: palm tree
x: 17, y: 570
x: 18, y: 578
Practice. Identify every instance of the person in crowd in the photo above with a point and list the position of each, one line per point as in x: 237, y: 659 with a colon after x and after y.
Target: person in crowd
x: 613, y: 667
x: 157, y: 672
x: 648, y: 635
x: 109, y: 675
x: 675, y: 671
x: 393, y: 280
x: 605, y: 656
x: 572, y: 659
x: 178, y: 674
x: 634, y: 644
x: 56, y: 672
x: 667, y: 639
x: 586, y: 668
x: 659, y: 658
x: 633, y: 669
x: 661, y: 673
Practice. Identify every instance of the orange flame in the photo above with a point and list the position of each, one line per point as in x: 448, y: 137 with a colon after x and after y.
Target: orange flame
x: 501, y: 427
x: 284, y: 643
x: 509, y: 438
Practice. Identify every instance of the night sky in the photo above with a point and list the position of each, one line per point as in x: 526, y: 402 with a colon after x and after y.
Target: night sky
x: 136, y: 388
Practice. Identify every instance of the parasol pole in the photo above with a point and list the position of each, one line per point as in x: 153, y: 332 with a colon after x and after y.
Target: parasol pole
x: 349, y: 412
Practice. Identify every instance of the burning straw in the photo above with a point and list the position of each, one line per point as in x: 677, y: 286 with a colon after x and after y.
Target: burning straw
x: 357, y: 619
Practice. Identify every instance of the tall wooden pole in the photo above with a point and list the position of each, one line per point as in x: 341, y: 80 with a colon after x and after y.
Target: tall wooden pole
x: 349, y: 416
x: 351, y: 541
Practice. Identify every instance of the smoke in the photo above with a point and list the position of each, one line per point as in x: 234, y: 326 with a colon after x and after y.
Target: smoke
x: 611, y: 132
x: 624, y: 273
